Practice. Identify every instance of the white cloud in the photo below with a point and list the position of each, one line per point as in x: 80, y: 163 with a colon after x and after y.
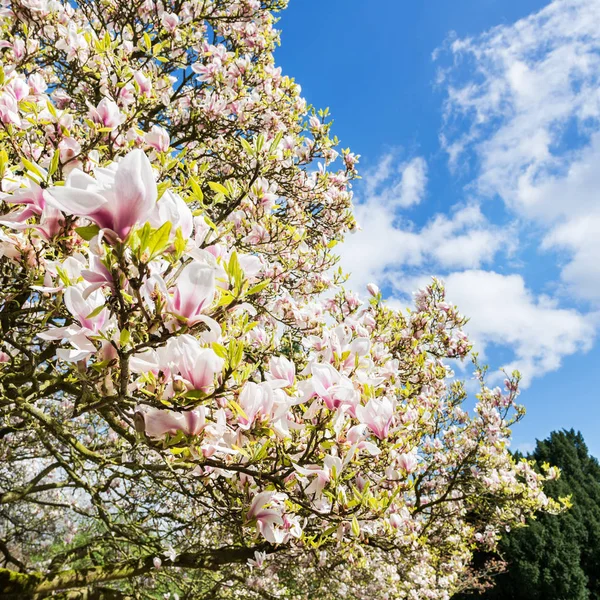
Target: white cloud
x: 502, y: 311
x: 528, y: 111
x: 399, y: 185
x: 388, y: 242
x: 413, y: 182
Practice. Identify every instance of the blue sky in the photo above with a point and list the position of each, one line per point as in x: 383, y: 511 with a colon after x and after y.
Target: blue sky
x: 478, y: 124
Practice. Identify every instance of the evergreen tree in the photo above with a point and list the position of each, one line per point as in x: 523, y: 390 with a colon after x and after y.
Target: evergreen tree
x: 555, y: 557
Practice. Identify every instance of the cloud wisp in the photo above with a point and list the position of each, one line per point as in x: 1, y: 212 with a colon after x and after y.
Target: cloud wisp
x: 523, y: 107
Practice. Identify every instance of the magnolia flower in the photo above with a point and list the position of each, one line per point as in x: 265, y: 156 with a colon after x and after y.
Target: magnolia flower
x: 256, y: 400
x: 19, y: 88
x: 107, y: 113
x: 83, y: 307
x: 197, y: 366
x: 172, y: 209
x: 266, y: 518
x: 408, y: 462
x: 98, y: 275
x: 377, y: 415
x: 51, y: 222
x: 9, y: 109
x: 118, y: 199
x: 170, y: 21
x: 282, y: 370
x: 158, y: 138
x: 258, y: 561
x: 69, y: 148
x: 332, y: 387
x: 194, y: 291
x: 144, y: 83
x: 332, y: 467
x: 373, y: 289
x: 37, y: 83
x: 171, y: 553
x: 158, y: 423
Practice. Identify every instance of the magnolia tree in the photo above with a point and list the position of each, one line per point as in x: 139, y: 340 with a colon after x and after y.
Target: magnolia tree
x: 192, y: 404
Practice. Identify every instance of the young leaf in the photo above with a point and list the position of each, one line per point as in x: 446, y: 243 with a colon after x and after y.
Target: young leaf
x: 88, y: 232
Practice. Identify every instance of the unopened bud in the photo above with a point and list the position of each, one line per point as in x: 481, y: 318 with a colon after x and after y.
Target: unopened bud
x: 373, y: 289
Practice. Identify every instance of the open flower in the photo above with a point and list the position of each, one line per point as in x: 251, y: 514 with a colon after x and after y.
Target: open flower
x: 267, y: 519
x: 119, y: 198
x: 194, y: 291
x: 158, y: 423
x: 377, y: 415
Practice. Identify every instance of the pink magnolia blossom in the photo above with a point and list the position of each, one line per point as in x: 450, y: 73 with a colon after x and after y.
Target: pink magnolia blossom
x: 197, y: 366
x: 378, y: 415
x: 9, y: 110
x: 98, y: 275
x: 81, y: 308
x: 373, y: 289
x: 19, y: 88
x: 332, y: 387
x: 408, y: 462
x: 194, y: 291
x: 266, y: 519
x: 172, y: 209
x: 257, y: 401
x: 33, y: 200
x: 37, y: 84
x: 159, y: 423
x: 282, y: 370
x: 117, y: 200
x: 332, y: 467
x: 69, y: 148
x: 107, y: 113
x: 170, y: 21
x: 158, y: 138
x: 51, y: 223
x: 144, y: 83
x: 258, y: 561
x: 90, y: 324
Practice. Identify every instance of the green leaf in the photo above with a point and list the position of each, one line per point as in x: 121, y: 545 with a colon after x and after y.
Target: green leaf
x: 144, y: 236
x: 276, y: 141
x: 247, y: 147
x: 259, y: 287
x: 96, y: 311
x: 196, y: 190
x: 355, y: 527
x: 236, y: 353
x: 31, y: 167
x: 88, y: 232
x: 260, y: 142
x: 237, y: 409
x: 54, y: 163
x: 180, y: 243
x: 3, y: 162
x: 218, y: 188
x: 162, y: 188
x: 219, y: 350
x: 125, y: 337
x: 159, y: 240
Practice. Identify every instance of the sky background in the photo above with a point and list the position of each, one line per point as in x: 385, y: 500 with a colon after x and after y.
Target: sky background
x: 478, y: 126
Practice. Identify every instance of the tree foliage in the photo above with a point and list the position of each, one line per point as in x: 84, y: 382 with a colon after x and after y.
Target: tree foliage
x: 558, y: 557
x: 192, y: 404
